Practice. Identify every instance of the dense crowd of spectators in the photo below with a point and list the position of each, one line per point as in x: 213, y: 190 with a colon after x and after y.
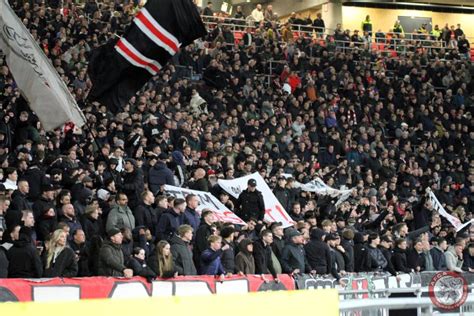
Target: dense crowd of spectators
x: 80, y: 203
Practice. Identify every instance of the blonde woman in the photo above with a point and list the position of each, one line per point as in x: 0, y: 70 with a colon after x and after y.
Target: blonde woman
x: 59, y: 260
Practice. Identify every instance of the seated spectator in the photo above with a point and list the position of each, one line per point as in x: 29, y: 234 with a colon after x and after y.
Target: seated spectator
x: 59, y: 259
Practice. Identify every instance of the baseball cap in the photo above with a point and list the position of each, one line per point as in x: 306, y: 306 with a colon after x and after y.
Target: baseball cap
x: 252, y: 182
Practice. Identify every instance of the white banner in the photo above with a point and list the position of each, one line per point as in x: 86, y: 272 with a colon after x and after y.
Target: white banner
x: 207, y: 201
x: 456, y: 222
x: 274, y: 211
x: 319, y: 187
x: 36, y: 78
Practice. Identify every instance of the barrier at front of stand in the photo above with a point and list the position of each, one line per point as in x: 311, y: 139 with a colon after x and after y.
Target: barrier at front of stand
x: 40, y: 290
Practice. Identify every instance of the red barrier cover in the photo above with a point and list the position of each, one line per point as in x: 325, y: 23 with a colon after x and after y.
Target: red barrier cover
x: 24, y: 290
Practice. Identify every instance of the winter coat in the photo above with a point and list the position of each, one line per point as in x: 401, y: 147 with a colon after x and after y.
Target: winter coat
x: 244, y: 261
x: 318, y: 253
x: 377, y: 259
x: 439, y: 259
x: 133, y: 187
x: 293, y: 257
x: 251, y: 204
x: 388, y: 254
x: 182, y: 256
x: 92, y: 227
x: 168, y: 224
x: 415, y: 259
x: 120, y: 217
x: 192, y: 218
x: 211, y: 262
x: 159, y: 175
x: 3, y: 263
x: 82, y: 251
x: 228, y: 257
x: 148, y: 216
x: 111, y: 261
x: 361, y: 254
x: 24, y: 261
x: 283, y: 196
x: 348, y: 246
x: 263, y: 258
x: 140, y: 267
x: 64, y: 266
x: 399, y: 260
x: 453, y: 263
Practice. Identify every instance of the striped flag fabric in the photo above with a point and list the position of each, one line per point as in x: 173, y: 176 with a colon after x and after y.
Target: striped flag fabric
x: 121, y: 67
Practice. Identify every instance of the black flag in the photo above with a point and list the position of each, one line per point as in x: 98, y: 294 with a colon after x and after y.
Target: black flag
x: 121, y: 67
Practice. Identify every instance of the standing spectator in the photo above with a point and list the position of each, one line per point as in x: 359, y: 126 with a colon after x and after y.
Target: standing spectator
x: 165, y: 267
x: 281, y: 193
x: 244, y: 261
x: 45, y: 202
x: 458, y: 32
x: 199, y: 181
x: 3, y: 209
x: 367, y: 25
x: 386, y: 248
x: 23, y: 258
x: 293, y: 257
x: 319, y: 25
x: 399, y: 258
x: 208, y: 10
x: 145, y: 214
x: 438, y: 254
x: 361, y: 254
x: 191, y: 215
x: 202, y: 234
x: 132, y: 183
x: 20, y: 197
x: 111, y: 261
x: 160, y: 175
x: 120, y: 215
x: 171, y: 220
x: 257, y: 14
x: 69, y: 217
x: 263, y: 254
x: 269, y: 15
x: 468, y: 258
x: 239, y: 14
x: 138, y: 264
x: 378, y: 262
x: 11, y: 179
x: 347, y: 242
x: 228, y: 256
x: 60, y: 260
x: 81, y: 250
x: 278, y: 238
x: 464, y: 46
x: 91, y: 223
x: 415, y: 257
x: 182, y: 255
x: 318, y: 253
x: 3, y: 262
x: 250, y: 203
x: 454, y: 258
x: 211, y: 258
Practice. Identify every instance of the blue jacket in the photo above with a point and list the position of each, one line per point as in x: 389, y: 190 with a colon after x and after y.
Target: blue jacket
x: 211, y: 262
x: 159, y: 175
x: 192, y: 218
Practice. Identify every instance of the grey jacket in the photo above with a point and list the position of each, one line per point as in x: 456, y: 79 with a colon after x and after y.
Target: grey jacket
x: 120, y: 217
x: 111, y: 261
x: 182, y: 257
x: 452, y: 261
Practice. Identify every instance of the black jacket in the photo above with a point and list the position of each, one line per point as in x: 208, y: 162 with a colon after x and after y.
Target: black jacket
x: 92, y: 227
x: 283, y: 196
x: 24, y: 261
x: 294, y: 257
x: 228, y: 257
x: 159, y: 175
x: 348, y: 246
x: 439, y: 260
x: 415, y: 259
x: 318, y: 253
x: 361, y: 254
x: 146, y: 215
x: 133, y: 187
x: 82, y: 251
x: 388, y: 254
x: 65, y: 265
x: 3, y: 263
x: 399, y: 260
x: 200, y: 241
x: 168, y: 224
x: 263, y: 258
x: 251, y: 204
x: 19, y: 201
x: 141, y: 268
x: 182, y: 257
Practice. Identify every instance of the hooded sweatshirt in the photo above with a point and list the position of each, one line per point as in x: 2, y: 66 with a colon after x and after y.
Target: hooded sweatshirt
x: 244, y: 261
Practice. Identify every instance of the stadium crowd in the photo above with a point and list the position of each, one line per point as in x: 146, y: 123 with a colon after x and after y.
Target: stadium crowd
x: 91, y: 202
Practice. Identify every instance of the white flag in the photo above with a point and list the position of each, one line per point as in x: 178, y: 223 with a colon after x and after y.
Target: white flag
x: 274, y: 211
x: 36, y: 78
x: 456, y: 222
